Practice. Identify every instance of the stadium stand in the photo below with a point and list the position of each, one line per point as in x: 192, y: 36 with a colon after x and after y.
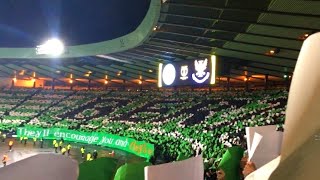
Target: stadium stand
x: 178, y: 123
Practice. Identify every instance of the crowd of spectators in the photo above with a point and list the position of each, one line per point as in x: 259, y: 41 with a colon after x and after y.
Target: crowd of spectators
x: 177, y: 123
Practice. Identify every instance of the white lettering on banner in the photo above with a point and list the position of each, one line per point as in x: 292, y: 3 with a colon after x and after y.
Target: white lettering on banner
x: 68, y: 135
x: 88, y: 139
x: 184, y: 72
x: 106, y: 140
x: 121, y: 143
x: 62, y: 134
x: 38, y: 133
x: 46, y: 132
x: 82, y: 138
x: 20, y: 131
x: 94, y: 139
x: 56, y: 134
x: 201, y: 75
x: 29, y: 133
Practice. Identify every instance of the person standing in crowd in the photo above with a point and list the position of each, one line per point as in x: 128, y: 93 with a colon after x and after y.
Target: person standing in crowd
x: 210, y: 175
x: 63, y: 151
x: 83, y: 150
x: 41, y: 142
x: 69, y: 148
x: 25, y: 140
x: 61, y: 144
x: 4, y: 137
x: 4, y: 160
x: 54, y: 142
x: 112, y: 153
x: 89, y: 157
x: 10, y: 145
x: 229, y: 166
x: 56, y: 145
x: 248, y: 168
x: 95, y: 154
x: 34, y: 140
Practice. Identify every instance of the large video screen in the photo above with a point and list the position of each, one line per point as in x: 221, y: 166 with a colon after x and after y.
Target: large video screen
x: 195, y: 72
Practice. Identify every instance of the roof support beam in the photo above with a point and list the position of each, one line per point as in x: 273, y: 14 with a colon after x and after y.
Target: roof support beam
x: 125, y: 56
x: 257, y: 71
x: 247, y: 67
x: 225, y: 40
x: 239, y: 9
x: 236, y: 72
x: 115, y: 69
x: 161, y: 51
x: 141, y: 55
x: 172, y: 49
x: 238, y: 22
x: 102, y: 72
x: 205, y: 46
x: 133, y: 71
x: 150, y: 53
x: 227, y: 31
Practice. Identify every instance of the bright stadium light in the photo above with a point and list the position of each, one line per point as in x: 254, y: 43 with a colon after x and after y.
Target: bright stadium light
x: 160, y: 75
x: 213, y: 69
x: 52, y: 47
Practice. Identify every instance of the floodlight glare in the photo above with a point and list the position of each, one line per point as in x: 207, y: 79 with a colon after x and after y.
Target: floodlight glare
x: 52, y: 47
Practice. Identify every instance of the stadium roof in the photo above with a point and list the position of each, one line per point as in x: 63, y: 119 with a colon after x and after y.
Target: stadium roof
x: 242, y: 33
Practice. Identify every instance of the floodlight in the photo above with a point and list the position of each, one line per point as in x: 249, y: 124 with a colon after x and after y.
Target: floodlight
x: 52, y: 47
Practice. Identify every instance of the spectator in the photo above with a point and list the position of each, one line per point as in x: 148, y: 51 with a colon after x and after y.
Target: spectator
x: 229, y: 167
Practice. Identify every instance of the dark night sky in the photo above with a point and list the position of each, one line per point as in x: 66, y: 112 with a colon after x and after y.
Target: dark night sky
x: 27, y: 23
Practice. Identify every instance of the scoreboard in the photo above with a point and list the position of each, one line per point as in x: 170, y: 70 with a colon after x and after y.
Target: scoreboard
x: 195, y: 72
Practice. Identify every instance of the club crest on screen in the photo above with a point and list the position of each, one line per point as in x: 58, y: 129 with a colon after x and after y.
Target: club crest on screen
x: 201, y: 74
x: 184, y: 72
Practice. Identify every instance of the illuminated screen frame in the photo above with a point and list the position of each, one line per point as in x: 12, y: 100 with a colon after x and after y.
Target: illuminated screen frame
x: 212, y: 71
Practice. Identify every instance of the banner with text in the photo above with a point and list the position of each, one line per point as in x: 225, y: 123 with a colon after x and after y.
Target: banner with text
x: 139, y: 148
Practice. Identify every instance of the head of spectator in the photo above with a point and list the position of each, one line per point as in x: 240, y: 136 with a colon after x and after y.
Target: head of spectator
x: 229, y: 166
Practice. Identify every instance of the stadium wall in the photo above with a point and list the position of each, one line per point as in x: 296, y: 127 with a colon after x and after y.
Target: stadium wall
x: 7, y: 82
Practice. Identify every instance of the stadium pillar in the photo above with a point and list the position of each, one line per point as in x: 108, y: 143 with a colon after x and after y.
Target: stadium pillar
x: 124, y: 85
x: 247, y: 83
x: 266, y: 81
x: 89, y: 84
x: 288, y: 81
x: 52, y: 84
x: 12, y: 83
x: 228, y: 83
